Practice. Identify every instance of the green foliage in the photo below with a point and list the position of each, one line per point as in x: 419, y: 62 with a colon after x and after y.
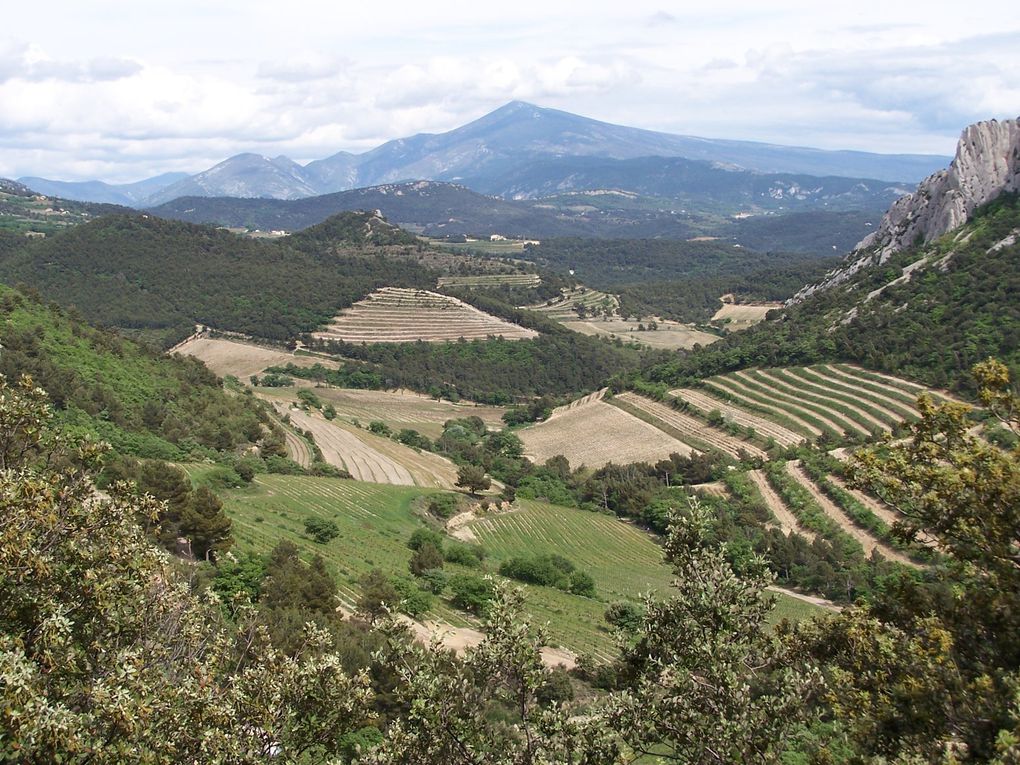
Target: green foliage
x: 425, y: 558
x: 471, y: 593
x: 550, y: 570
x: 422, y: 537
x: 473, y: 478
x: 97, y: 627
x: 322, y: 530
x: 711, y: 683
x: 442, y: 506
x: 464, y: 554
x: 285, y: 286
x: 103, y: 386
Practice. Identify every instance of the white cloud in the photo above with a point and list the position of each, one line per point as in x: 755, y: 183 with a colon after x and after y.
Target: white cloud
x: 108, y: 90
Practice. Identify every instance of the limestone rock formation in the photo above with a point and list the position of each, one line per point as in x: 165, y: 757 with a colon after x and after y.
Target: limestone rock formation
x: 987, y: 163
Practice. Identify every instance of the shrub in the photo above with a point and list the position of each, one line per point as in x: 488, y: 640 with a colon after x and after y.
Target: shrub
x: 422, y: 537
x: 471, y: 593
x: 464, y: 554
x: 380, y: 428
x: 322, y: 530
x: 443, y: 506
x: 425, y: 558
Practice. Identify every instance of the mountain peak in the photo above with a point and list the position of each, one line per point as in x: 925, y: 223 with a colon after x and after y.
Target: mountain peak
x: 986, y: 164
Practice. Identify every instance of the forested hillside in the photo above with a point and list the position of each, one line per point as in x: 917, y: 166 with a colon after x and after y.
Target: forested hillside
x: 139, y: 401
x: 142, y: 273
x: 929, y: 313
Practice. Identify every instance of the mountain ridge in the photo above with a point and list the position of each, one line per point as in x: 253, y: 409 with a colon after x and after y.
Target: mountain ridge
x: 496, y: 143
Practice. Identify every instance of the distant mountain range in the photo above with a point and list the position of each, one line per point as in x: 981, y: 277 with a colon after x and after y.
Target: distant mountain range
x: 519, y: 150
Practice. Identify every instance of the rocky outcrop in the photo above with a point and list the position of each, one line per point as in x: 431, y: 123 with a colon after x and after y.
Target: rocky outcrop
x: 987, y: 163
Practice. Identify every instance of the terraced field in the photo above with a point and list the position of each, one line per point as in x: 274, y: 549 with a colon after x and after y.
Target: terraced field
x: 403, y: 409
x: 705, y: 403
x: 564, y: 307
x: 591, y: 432
x: 397, y: 315
x: 804, y: 402
x: 687, y: 428
x: 784, y: 516
x: 369, y: 457
x: 490, y: 280
x: 669, y: 335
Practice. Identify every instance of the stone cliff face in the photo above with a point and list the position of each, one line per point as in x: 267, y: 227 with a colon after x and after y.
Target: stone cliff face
x: 987, y: 163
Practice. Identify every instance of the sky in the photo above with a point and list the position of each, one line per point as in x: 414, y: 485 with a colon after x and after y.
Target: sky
x: 121, y: 90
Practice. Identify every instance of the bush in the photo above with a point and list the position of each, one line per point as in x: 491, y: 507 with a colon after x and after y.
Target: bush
x: 329, y: 412
x: 625, y: 615
x: 422, y: 537
x: 380, y: 428
x: 464, y: 554
x: 434, y: 580
x: 471, y: 593
x: 309, y: 399
x: 549, y: 571
x: 414, y: 601
x: 443, y: 506
x: 322, y: 530
x: 425, y: 558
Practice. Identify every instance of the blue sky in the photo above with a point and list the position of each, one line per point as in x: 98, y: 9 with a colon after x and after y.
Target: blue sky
x: 123, y: 90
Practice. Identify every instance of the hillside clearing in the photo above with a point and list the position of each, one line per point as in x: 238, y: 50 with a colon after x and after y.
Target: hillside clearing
x: 405, y: 409
x: 669, y: 335
x: 490, y: 280
x: 593, y: 433
x: 397, y: 315
x: 741, y: 316
x: 242, y: 360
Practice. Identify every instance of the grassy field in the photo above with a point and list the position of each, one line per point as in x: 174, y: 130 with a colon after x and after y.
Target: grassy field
x: 376, y: 520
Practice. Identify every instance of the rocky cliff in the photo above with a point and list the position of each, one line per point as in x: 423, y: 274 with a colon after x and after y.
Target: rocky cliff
x: 987, y: 164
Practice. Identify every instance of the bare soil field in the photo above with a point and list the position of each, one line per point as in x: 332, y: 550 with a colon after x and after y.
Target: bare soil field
x: 405, y: 409
x: 372, y: 458
x: 761, y: 382
x: 820, y: 398
x: 769, y: 429
x: 397, y: 315
x: 670, y: 335
x: 692, y: 426
x: 242, y: 360
x: 737, y: 317
x: 594, y: 433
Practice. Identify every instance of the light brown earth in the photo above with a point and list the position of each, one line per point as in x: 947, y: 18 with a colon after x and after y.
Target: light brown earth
x: 835, y: 512
x: 787, y: 520
x: 459, y: 639
x: 591, y: 432
x: 734, y: 387
x: 670, y: 335
x: 405, y: 409
x: 368, y: 457
x: 397, y: 315
x: 242, y: 360
x: 812, y: 599
x: 738, y: 317
x: 890, y: 390
x: 767, y: 428
x: 691, y: 426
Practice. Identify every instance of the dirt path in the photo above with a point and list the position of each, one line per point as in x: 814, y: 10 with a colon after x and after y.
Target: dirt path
x: 459, y: 639
x: 835, y: 512
x: 812, y: 599
x: 787, y: 520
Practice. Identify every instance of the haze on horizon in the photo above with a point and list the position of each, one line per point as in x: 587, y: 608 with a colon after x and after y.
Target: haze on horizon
x: 120, y: 91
